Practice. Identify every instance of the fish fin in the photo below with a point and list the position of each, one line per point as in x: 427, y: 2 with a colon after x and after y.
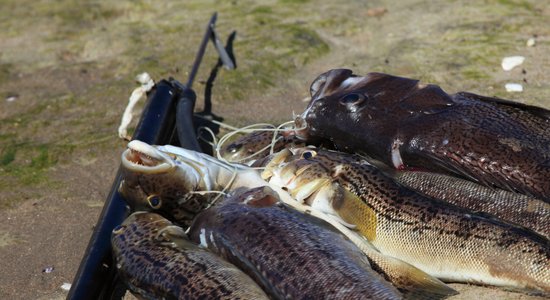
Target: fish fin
x: 328, y: 82
x: 411, y: 281
x: 341, y: 221
x: 173, y: 236
x: 462, y: 172
x: 426, y: 99
x: 261, y: 197
x: 408, y: 279
x: 536, y: 111
x: 308, y: 189
x: 352, y: 209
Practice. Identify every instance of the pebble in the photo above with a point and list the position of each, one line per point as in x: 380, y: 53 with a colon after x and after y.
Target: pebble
x: 11, y: 97
x: 510, y: 62
x: 531, y: 42
x: 66, y: 286
x: 377, y: 12
x: 513, y: 87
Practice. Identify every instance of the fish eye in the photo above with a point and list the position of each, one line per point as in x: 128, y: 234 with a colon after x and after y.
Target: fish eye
x: 233, y: 148
x: 118, y: 229
x: 154, y: 201
x: 308, y: 154
x: 352, y: 99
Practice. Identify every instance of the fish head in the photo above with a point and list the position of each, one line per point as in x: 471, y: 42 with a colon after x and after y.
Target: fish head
x: 249, y: 147
x: 138, y: 227
x: 155, y: 180
x: 301, y: 173
x: 344, y: 105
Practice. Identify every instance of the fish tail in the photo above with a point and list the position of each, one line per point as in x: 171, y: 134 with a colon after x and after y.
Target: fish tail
x: 411, y: 281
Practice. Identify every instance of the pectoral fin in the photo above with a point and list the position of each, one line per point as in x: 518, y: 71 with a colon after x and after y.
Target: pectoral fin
x: 411, y: 281
x: 174, y: 236
x: 354, y: 210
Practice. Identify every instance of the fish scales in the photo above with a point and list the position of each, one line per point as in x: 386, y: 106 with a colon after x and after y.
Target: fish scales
x: 256, y: 145
x: 513, y: 207
x: 414, y: 283
x: 157, y: 261
x: 446, y: 232
x: 410, y: 125
x: 444, y: 240
x: 519, y: 209
x: 291, y: 255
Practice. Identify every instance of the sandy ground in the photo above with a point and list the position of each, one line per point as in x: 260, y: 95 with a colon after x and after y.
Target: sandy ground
x: 67, y: 68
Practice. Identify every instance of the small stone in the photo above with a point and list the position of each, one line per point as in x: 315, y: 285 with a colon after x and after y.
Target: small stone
x: 510, y: 62
x: 47, y: 269
x: 11, y: 97
x: 531, y: 42
x: 377, y: 12
x: 66, y: 286
x: 513, y: 87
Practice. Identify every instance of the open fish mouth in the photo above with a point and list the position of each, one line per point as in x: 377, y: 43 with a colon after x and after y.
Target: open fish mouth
x: 142, y: 157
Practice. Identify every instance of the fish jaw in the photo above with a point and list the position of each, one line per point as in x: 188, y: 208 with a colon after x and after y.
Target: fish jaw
x: 142, y: 157
x: 275, y: 162
x: 155, y: 180
x: 212, y: 172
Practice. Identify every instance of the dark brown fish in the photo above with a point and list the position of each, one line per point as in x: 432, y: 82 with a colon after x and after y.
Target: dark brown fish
x: 410, y: 125
x: 157, y: 261
x: 291, y: 255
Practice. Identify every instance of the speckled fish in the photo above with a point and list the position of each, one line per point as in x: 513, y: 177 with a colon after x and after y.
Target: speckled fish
x: 173, y: 181
x: 410, y: 125
x: 446, y: 241
x: 513, y: 207
x: 156, y: 260
x: 255, y: 145
x: 160, y: 178
x: 291, y: 255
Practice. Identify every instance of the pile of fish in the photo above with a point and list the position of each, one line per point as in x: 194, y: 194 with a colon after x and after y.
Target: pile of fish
x: 384, y: 189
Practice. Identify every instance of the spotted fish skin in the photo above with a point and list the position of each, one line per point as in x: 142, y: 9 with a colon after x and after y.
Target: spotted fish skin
x: 446, y: 241
x: 162, y: 193
x: 516, y: 208
x: 409, y: 125
x: 256, y: 145
x: 166, y: 192
x: 291, y: 255
x: 157, y: 261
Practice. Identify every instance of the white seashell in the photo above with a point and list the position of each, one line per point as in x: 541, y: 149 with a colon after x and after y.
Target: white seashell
x: 66, y: 286
x: 513, y: 87
x: 510, y: 62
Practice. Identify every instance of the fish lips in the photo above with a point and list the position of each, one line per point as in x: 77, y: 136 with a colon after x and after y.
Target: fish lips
x: 144, y: 158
